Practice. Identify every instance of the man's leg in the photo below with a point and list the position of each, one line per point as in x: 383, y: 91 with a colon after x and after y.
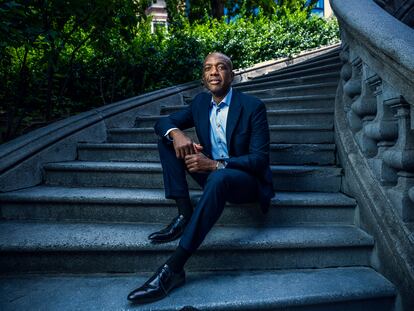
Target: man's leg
x: 226, y: 185
x: 176, y: 187
x: 223, y: 185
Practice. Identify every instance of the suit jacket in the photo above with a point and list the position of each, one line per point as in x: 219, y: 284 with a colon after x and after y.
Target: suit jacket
x: 247, y: 135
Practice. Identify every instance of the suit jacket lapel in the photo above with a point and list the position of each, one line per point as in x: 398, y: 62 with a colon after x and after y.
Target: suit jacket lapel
x: 232, y: 117
x: 204, y: 118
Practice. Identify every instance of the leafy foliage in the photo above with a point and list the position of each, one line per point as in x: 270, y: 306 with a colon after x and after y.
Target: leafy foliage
x: 61, y: 57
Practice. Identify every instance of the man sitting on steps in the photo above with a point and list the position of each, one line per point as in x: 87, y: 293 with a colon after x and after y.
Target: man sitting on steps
x: 231, y: 164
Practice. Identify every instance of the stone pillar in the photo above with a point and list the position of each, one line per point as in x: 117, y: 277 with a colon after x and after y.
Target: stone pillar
x: 352, y: 90
x: 365, y: 107
x: 346, y: 73
x: 384, y: 130
x: 401, y: 158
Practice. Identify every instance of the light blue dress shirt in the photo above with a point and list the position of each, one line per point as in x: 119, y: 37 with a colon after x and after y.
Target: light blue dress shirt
x: 218, y: 122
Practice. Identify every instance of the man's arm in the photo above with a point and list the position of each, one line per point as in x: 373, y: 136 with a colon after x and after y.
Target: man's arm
x: 257, y: 160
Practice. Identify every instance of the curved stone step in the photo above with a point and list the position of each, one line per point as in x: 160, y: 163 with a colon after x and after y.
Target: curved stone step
x: 309, y: 116
x: 294, y: 134
x: 102, y: 248
x: 300, y: 102
x: 149, y: 175
x: 355, y: 289
x: 300, y: 116
x: 296, y: 90
x: 150, y: 205
x: 310, y: 65
x: 299, y: 154
x: 336, y: 67
x: 275, y: 82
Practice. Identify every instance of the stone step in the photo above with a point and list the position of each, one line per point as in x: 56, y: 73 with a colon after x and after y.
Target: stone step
x: 301, y: 134
x: 149, y: 120
x: 300, y: 102
x: 310, y: 116
x: 356, y: 288
x: 166, y: 110
x: 294, y: 134
x: 275, y: 116
x: 149, y: 175
x: 150, y: 205
x: 116, y: 248
x: 297, y: 90
x: 276, y: 82
x: 330, y: 68
x: 310, y: 65
x: 139, y: 135
x: 300, y: 154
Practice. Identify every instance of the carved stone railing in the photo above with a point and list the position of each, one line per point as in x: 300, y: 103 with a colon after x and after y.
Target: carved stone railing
x: 374, y: 129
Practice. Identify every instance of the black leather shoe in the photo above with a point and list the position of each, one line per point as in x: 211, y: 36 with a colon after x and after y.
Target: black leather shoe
x: 170, y: 233
x: 158, y: 286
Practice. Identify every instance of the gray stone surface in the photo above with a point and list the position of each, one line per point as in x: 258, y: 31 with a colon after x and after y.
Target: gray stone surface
x: 295, y: 134
x: 149, y: 175
x: 104, y: 248
x: 310, y: 116
x: 295, y: 116
x: 383, y: 42
x: 149, y: 206
x: 302, y: 134
x: 315, y: 65
x: 300, y: 73
x: 300, y: 154
x: 274, y: 81
x: 358, y: 289
x: 300, y: 102
x: 260, y: 69
x: 303, y: 89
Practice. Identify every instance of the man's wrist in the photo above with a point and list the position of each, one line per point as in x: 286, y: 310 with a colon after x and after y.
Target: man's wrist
x: 220, y: 165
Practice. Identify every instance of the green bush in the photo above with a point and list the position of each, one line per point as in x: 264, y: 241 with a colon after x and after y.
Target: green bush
x: 74, y: 65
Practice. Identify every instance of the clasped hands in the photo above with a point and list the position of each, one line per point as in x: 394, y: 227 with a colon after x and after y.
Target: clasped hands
x: 185, y: 148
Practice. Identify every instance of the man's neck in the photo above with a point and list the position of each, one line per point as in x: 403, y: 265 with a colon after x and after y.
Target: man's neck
x: 218, y: 98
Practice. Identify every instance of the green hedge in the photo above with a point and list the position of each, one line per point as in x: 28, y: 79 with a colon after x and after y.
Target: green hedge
x: 120, y: 62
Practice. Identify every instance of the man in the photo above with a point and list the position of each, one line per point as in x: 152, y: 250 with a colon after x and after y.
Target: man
x: 231, y: 164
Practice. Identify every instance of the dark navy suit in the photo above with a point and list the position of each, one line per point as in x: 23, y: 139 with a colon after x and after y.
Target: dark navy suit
x: 247, y: 176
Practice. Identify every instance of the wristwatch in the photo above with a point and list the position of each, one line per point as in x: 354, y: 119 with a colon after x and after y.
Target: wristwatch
x: 220, y: 165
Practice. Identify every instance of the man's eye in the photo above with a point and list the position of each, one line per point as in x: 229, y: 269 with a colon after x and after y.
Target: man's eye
x: 207, y: 68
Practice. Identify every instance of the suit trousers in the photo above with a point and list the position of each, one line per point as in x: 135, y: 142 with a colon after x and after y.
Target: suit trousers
x: 219, y: 187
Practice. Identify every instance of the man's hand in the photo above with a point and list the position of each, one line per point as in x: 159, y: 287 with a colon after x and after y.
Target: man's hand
x: 183, y: 145
x: 198, y: 162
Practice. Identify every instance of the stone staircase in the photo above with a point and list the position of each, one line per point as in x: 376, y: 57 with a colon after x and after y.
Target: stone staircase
x: 79, y: 240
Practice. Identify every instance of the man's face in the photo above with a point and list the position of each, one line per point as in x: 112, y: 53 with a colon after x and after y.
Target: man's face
x: 217, y: 74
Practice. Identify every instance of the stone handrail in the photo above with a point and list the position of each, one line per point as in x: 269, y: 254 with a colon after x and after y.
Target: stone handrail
x: 374, y: 127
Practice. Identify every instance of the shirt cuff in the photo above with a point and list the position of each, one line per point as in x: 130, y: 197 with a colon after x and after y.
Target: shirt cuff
x: 166, y: 135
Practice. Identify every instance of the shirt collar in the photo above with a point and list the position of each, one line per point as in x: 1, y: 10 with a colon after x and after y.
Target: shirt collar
x: 226, y: 100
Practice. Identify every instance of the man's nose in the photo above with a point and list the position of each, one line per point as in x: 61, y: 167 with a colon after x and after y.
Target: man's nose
x: 214, y: 71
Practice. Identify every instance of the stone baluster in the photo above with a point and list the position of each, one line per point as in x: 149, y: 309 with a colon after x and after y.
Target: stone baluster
x: 365, y: 107
x: 401, y: 158
x: 352, y: 89
x: 384, y: 130
x: 346, y: 74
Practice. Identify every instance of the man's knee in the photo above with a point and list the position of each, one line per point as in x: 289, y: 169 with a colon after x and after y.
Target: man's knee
x: 219, y: 178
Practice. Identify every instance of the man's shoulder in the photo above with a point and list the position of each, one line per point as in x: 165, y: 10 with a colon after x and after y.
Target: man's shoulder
x: 202, y: 96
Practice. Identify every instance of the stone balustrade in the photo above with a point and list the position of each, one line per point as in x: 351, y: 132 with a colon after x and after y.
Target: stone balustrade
x: 377, y: 99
